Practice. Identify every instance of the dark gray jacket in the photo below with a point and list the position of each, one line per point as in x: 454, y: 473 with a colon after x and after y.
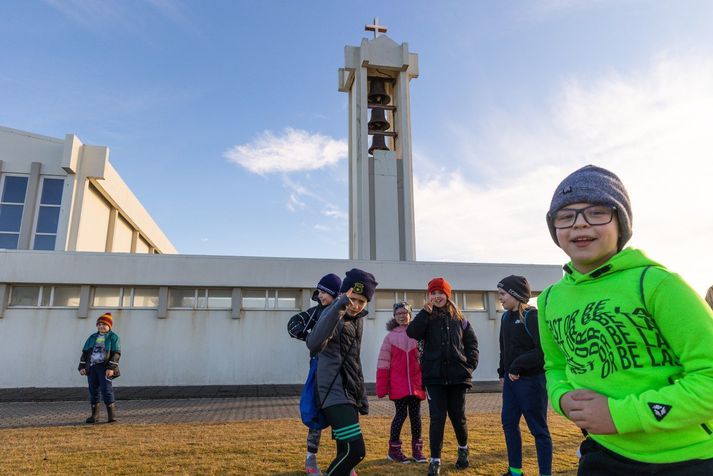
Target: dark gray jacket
x: 336, y: 338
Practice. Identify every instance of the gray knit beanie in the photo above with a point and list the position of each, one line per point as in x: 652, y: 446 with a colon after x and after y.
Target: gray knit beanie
x: 598, y: 186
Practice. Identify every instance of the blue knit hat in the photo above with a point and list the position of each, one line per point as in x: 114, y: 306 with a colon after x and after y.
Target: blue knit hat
x: 360, y: 282
x: 330, y: 284
x: 598, y: 186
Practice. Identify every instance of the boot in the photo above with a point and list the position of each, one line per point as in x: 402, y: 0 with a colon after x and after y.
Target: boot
x: 417, y: 451
x: 95, y: 414
x: 462, y: 461
x: 395, y: 453
x: 111, y: 411
x: 434, y: 468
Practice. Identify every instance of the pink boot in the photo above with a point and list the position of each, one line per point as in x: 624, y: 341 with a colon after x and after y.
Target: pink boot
x: 395, y: 453
x: 417, y: 451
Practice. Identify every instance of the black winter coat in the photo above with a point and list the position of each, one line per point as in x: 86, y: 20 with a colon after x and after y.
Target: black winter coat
x: 450, y: 348
x: 520, y: 351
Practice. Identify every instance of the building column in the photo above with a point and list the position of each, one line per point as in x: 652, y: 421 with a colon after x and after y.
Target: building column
x: 28, y: 212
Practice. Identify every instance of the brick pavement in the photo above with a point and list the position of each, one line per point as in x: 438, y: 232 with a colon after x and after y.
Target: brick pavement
x: 25, y: 414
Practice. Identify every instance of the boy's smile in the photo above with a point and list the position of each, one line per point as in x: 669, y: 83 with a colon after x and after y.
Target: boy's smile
x: 589, y: 246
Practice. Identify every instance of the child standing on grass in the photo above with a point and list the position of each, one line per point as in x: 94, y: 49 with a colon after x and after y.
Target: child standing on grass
x: 336, y: 338
x: 627, y: 343
x: 450, y: 356
x: 398, y: 375
x: 522, y: 376
x: 299, y: 326
x: 100, y: 363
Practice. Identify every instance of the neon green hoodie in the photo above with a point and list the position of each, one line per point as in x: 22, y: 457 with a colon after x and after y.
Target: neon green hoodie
x: 652, y: 358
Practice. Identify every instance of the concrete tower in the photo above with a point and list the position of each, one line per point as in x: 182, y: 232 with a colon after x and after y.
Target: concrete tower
x: 377, y: 75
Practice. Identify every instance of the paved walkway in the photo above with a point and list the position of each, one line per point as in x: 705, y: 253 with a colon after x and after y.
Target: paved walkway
x: 193, y: 410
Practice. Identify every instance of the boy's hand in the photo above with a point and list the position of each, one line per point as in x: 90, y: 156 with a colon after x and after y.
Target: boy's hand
x: 82, y: 371
x: 588, y: 410
x: 109, y: 373
x: 513, y: 377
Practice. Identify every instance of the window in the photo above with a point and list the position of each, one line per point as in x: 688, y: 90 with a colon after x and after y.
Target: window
x: 12, y: 202
x: 271, y: 299
x: 44, y: 296
x: 125, y: 297
x: 385, y: 299
x: 48, y: 214
x: 473, y: 301
x: 200, y: 298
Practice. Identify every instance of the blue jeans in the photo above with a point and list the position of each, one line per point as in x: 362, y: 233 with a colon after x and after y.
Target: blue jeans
x: 98, y: 381
x: 526, y: 397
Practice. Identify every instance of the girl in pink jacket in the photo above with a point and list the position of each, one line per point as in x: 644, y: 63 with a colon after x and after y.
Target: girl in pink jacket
x: 398, y: 375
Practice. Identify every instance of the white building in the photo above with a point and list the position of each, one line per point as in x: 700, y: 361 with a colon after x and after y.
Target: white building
x: 60, y: 194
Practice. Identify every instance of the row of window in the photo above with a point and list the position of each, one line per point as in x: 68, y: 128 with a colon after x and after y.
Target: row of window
x: 119, y: 297
x: 12, y: 204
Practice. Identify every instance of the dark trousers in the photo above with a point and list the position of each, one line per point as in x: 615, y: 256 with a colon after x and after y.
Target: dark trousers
x: 99, y: 382
x: 446, y: 400
x: 408, y: 405
x: 344, y: 420
x: 526, y: 397
x: 313, y: 437
x: 599, y: 461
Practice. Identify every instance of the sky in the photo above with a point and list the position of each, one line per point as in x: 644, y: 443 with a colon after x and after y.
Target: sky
x: 225, y: 120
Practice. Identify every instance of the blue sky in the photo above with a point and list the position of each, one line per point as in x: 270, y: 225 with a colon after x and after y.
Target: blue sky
x: 225, y: 120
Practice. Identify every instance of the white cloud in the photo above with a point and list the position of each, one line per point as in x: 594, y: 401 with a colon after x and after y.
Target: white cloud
x: 652, y: 128
x: 293, y: 151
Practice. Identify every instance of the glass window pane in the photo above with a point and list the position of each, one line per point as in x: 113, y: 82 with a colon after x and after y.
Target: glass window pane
x: 10, y: 217
x: 45, y: 294
x: 254, y: 298
x: 220, y: 298
x: 44, y: 242
x: 202, y: 299
x: 415, y: 298
x: 25, y: 295
x: 145, y: 297
x: 182, y: 297
x: 47, y: 220
x: 51, y: 191
x: 8, y: 241
x: 287, y: 298
x: 106, y: 297
x: 15, y: 189
x: 126, y: 297
x: 65, y: 296
x: 385, y: 300
x: 474, y: 301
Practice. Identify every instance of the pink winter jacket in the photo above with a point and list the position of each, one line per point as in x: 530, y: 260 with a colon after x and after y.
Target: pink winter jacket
x: 398, y: 373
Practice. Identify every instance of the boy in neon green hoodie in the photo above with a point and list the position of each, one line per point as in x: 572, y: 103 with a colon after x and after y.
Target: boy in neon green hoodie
x: 627, y: 343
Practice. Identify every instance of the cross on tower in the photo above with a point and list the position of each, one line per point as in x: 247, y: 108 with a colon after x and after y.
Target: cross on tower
x: 375, y: 27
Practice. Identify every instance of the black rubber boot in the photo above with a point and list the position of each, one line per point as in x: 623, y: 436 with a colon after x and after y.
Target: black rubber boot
x: 111, y: 412
x: 95, y: 414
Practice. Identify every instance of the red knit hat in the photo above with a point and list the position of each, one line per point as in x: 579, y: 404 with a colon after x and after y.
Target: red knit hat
x: 106, y: 319
x: 440, y: 284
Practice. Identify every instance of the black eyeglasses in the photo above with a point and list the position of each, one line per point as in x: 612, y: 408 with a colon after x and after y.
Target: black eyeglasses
x: 593, y: 214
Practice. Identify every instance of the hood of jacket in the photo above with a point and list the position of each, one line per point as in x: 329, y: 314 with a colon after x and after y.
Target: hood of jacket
x: 626, y: 259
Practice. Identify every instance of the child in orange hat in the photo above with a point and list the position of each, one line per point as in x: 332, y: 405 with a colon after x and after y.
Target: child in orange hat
x: 450, y: 356
x: 100, y: 363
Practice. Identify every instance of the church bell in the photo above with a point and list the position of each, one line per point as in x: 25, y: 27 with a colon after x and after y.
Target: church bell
x: 377, y: 92
x: 378, y: 120
x: 378, y: 143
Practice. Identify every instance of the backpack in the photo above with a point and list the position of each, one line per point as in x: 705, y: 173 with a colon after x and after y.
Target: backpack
x: 310, y: 411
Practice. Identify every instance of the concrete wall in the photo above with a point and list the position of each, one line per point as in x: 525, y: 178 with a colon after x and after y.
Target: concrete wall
x: 210, y: 347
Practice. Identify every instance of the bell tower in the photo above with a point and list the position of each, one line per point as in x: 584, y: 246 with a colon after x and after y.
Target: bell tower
x: 377, y: 75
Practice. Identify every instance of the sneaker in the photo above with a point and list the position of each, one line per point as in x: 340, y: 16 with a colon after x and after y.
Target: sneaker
x: 462, y: 461
x: 311, y: 465
x: 434, y: 468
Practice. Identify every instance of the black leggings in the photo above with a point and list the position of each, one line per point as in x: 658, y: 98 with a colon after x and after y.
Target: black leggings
x: 408, y: 405
x: 344, y: 420
x: 442, y: 400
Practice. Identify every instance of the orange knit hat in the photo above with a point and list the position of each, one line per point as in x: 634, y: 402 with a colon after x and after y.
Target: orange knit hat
x: 106, y: 319
x: 440, y: 284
